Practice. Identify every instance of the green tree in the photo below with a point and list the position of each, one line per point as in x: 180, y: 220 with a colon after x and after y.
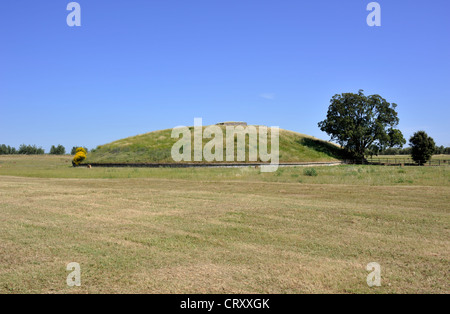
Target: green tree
x: 7, y: 150
x: 362, y: 125
x: 440, y: 150
x: 422, y: 147
x: 30, y: 150
x: 57, y: 150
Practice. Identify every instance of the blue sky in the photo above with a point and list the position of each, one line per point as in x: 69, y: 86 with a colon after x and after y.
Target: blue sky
x: 138, y: 66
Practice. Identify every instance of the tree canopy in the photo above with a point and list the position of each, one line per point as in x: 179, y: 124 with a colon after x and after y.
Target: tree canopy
x: 422, y: 147
x: 7, y: 150
x: 57, y: 150
x: 30, y: 150
x: 362, y: 125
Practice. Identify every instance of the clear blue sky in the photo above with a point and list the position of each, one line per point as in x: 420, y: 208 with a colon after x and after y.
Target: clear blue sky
x: 138, y: 66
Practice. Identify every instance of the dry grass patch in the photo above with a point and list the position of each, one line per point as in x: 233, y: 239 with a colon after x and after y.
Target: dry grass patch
x: 185, y: 236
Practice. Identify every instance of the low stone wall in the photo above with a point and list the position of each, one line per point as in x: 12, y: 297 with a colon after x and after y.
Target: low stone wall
x: 232, y: 123
x: 205, y: 165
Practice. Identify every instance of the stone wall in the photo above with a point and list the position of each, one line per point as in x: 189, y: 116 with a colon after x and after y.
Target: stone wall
x: 232, y: 123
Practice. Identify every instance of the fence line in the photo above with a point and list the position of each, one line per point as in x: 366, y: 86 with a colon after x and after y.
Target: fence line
x: 398, y: 162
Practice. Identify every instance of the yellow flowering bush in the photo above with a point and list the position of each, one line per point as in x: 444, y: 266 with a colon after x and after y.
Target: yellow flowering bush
x: 81, y: 150
x: 80, y: 156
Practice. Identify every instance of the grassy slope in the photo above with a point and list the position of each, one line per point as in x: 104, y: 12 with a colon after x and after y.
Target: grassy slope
x: 156, y: 147
x: 222, y: 230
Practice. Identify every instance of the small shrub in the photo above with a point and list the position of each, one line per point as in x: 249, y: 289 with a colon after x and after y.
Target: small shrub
x: 310, y: 172
x: 79, y: 157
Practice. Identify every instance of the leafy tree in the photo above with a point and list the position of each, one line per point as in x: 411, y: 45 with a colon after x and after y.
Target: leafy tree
x: 7, y: 150
x: 362, y: 125
x: 61, y: 150
x: 422, y: 147
x: 440, y: 150
x: 30, y: 150
x: 58, y: 150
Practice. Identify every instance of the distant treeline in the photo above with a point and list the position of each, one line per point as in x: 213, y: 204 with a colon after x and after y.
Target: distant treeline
x: 440, y: 150
x: 34, y: 150
x: 23, y: 150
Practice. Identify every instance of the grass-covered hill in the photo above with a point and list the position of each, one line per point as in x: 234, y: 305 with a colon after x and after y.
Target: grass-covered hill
x: 155, y: 147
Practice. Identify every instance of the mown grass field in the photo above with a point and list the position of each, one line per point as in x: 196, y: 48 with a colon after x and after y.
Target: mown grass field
x: 222, y: 230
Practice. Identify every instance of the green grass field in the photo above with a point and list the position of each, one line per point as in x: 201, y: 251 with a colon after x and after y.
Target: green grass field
x: 222, y: 230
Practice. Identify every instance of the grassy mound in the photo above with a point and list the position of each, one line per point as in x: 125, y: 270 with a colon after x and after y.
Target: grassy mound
x: 155, y: 147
